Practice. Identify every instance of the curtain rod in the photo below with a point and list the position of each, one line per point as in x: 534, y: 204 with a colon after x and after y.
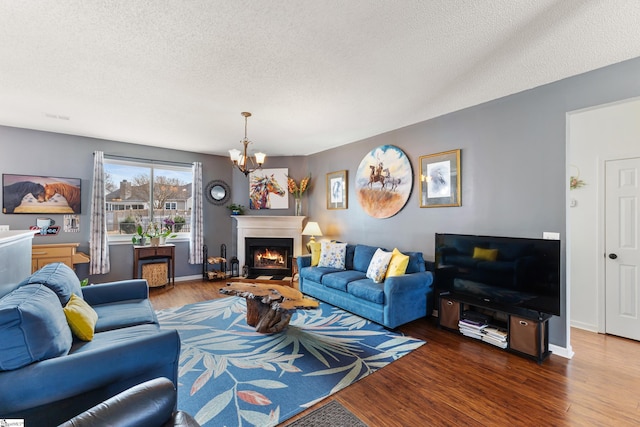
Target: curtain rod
x: 137, y: 159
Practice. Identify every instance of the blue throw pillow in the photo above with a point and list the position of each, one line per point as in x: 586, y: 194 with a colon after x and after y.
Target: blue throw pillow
x: 32, y: 327
x: 416, y: 262
x: 362, y: 257
x: 59, y: 278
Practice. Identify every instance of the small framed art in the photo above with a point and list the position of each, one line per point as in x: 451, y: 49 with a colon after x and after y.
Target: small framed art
x: 337, y: 191
x: 440, y: 177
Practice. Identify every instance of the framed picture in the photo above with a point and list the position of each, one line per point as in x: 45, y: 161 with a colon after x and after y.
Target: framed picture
x: 31, y: 194
x: 440, y: 180
x: 337, y: 190
x: 268, y: 189
x: 384, y: 181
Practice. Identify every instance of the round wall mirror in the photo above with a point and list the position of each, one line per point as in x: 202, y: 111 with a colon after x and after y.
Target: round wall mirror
x: 218, y: 192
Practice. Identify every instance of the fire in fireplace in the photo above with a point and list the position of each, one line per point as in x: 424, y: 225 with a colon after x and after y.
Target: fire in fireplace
x: 268, y: 256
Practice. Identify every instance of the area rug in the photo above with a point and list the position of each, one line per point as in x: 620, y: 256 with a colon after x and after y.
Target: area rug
x: 229, y: 375
x: 332, y: 414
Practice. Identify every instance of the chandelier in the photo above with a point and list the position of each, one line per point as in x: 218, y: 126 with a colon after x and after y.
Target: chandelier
x: 239, y: 158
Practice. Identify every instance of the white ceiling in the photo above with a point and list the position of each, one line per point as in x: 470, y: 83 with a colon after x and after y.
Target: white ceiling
x: 316, y: 74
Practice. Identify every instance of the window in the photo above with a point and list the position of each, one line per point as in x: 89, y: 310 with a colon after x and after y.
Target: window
x: 139, y: 193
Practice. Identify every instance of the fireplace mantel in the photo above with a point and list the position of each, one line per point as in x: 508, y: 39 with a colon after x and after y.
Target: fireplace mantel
x: 268, y: 226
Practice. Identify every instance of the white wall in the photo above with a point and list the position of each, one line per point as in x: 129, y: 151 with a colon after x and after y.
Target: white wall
x: 595, y: 135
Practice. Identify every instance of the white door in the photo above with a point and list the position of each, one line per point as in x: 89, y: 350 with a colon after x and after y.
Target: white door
x: 622, y: 263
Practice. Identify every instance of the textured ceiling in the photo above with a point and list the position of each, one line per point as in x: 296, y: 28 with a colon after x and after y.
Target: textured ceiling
x: 316, y: 74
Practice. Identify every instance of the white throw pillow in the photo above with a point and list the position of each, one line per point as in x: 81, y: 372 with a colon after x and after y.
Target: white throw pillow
x: 332, y: 255
x: 378, y: 265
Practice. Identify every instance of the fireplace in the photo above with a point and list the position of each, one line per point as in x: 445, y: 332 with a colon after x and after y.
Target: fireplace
x: 267, y: 226
x: 268, y: 256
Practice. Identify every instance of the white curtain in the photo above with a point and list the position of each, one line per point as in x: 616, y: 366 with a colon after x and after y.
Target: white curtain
x: 98, y: 245
x: 197, y: 228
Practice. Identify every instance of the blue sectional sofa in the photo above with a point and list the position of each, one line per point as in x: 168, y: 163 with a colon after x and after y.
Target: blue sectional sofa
x: 48, y: 375
x: 395, y: 301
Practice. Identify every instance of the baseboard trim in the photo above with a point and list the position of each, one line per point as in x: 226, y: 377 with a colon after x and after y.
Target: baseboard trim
x: 187, y: 278
x: 586, y: 326
x: 565, y: 352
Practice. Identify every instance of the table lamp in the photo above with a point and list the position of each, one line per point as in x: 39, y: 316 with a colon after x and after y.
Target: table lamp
x: 311, y: 229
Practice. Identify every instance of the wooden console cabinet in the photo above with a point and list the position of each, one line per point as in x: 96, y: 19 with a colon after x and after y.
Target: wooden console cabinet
x: 42, y: 255
x: 527, y: 333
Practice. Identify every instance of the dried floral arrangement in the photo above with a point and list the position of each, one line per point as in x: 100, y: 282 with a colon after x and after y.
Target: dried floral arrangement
x: 298, y: 190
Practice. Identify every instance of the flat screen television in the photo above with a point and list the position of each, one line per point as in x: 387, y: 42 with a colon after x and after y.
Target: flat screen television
x: 517, y: 274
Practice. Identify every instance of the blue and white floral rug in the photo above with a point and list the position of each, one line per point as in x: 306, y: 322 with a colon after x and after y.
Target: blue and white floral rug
x: 229, y: 375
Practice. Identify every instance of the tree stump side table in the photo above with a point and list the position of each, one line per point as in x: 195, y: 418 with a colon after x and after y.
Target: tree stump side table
x: 269, y: 307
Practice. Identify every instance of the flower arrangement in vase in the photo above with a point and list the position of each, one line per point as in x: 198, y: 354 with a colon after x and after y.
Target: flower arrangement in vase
x: 154, y: 232
x: 297, y: 191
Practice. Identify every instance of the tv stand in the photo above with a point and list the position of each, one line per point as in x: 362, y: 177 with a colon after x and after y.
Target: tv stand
x: 525, y: 333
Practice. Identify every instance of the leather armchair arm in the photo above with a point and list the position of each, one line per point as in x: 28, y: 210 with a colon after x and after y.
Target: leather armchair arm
x: 151, y: 403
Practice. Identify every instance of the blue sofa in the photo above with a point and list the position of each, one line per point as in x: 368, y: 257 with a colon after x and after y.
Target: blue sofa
x: 47, y: 375
x: 394, y: 302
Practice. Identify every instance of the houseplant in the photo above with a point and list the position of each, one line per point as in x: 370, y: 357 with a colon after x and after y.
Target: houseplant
x: 236, y: 209
x: 154, y: 232
x: 140, y: 236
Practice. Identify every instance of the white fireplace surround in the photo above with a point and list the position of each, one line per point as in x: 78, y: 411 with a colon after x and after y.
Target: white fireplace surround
x: 268, y: 226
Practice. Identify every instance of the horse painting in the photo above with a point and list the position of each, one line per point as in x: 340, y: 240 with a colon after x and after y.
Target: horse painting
x: 14, y: 193
x: 376, y: 176
x: 71, y: 194
x: 390, y: 180
x: 389, y: 167
x: 261, y: 188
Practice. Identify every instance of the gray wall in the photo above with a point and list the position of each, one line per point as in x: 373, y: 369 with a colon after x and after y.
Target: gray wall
x: 513, y: 173
x: 51, y: 154
x: 514, y: 178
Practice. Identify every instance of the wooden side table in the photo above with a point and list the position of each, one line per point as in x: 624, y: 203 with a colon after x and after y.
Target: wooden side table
x: 162, y: 252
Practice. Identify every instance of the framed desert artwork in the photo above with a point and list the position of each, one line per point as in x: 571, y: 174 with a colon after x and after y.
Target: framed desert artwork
x: 440, y: 180
x: 337, y: 190
x: 33, y: 194
x: 268, y: 189
x: 384, y: 181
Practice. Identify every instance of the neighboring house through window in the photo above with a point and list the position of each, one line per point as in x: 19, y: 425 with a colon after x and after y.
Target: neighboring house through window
x: 144, y: 193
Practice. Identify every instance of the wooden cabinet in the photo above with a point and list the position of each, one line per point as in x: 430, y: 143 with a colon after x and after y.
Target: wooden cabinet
x: 67, y: 253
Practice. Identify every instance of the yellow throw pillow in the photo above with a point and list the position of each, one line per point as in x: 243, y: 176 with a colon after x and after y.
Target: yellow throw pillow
x: 81, y: 318
x: 398, y: 264
x: 315, y: 253
x: 485, y: 254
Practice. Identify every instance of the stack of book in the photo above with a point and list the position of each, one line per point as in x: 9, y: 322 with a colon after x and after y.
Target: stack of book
x: 495, y: 336
x: 477, y: 325
x: 471, y: 328
x: 473, y: 323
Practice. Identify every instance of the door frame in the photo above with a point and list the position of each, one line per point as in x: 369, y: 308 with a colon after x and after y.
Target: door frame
x: 616, y: 123
x: 601, y: 276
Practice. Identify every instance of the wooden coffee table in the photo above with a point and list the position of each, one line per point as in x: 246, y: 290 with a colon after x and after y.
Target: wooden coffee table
x: 269, y: 307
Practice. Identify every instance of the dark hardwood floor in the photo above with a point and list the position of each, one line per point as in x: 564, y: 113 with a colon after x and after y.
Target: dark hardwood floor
x: 453, y: 380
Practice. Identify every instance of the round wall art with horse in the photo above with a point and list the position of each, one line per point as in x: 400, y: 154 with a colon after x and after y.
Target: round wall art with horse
x: 384, y: 181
